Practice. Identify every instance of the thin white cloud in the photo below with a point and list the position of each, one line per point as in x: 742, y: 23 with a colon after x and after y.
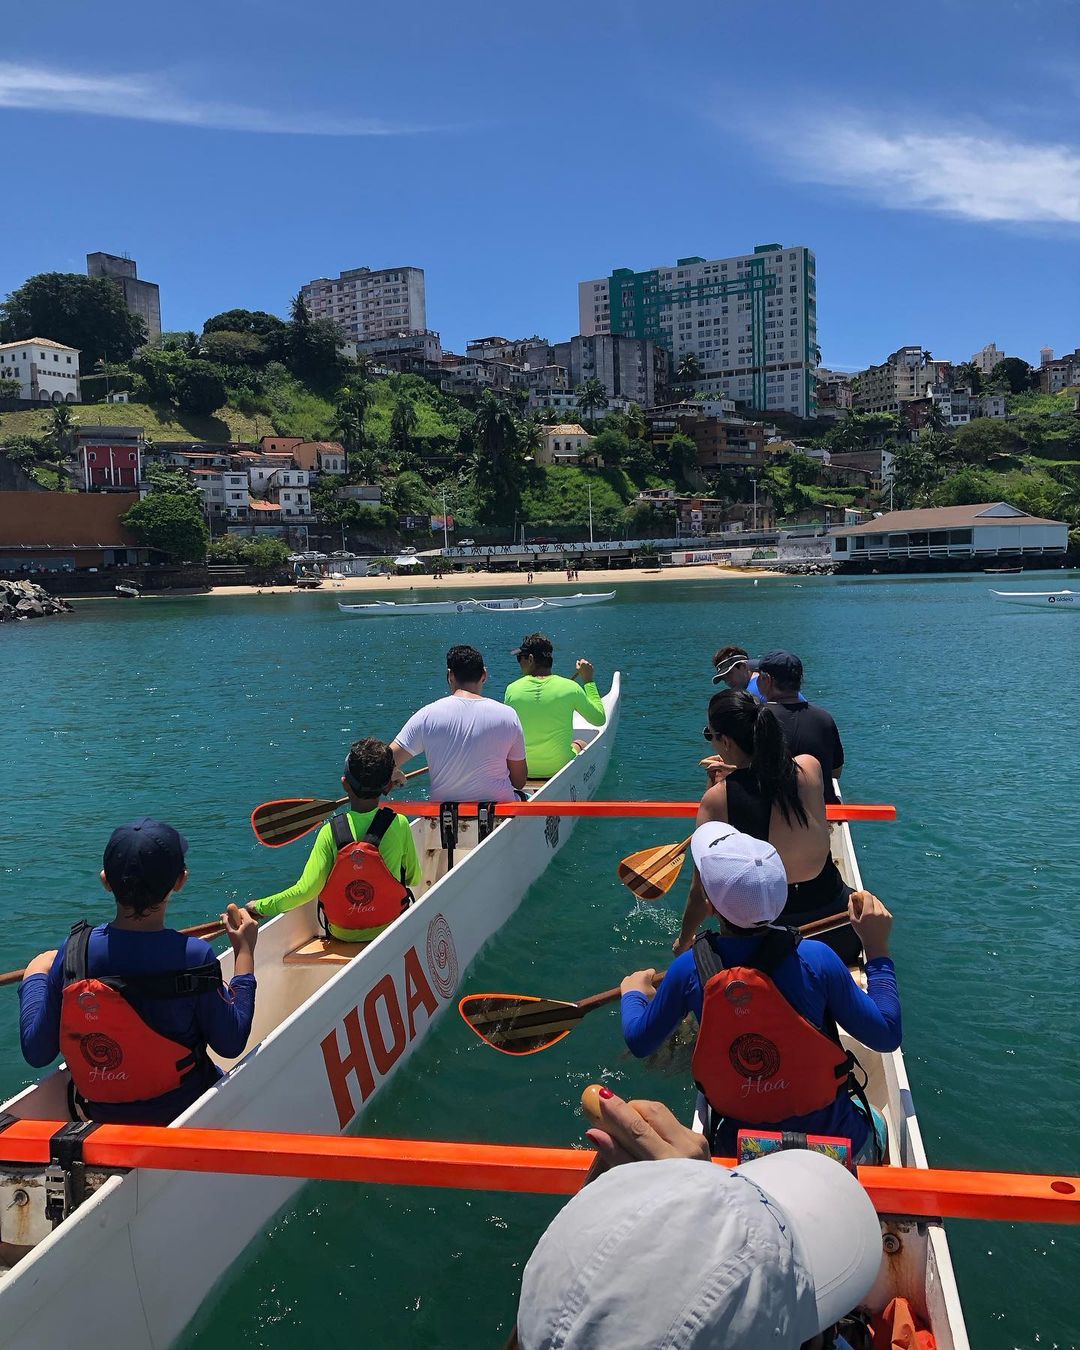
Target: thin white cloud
x: 978, y: 175
x: 152, y: 98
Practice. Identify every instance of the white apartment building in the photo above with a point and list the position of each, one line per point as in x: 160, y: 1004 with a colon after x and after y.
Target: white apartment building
x: 750, y: 321
x: 366, y: 304
x: 47, y: 371
x: 224, y: 492
x: 289, y: 490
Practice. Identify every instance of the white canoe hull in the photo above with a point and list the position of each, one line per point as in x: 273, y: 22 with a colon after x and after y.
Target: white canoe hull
x: 130, y: 1268
x: 581, y: 598
x: 1040, y: 599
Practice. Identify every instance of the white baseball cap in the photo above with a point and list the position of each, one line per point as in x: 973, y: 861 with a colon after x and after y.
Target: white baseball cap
x: 743, y: 877
x: 685, y: 1255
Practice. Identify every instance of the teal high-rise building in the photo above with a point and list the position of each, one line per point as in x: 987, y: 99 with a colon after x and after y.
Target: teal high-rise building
x: 749, y: 322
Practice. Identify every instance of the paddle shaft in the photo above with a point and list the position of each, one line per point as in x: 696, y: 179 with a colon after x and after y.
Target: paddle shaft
x: 902, y: 1191
x: 826, y: 925
x: 340, y: 801
x: 209, y: 929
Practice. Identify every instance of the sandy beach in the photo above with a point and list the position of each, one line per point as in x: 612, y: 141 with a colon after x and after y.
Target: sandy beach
x: 594, y: 579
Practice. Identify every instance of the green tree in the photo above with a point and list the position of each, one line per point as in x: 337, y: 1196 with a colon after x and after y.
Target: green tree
x: 679, y: 455
x: 635, y: 424
x: 969, y: 376
x: 591, y: 396
x: 165, y: 478
x: 403, y: 421
x: 60, y: 438
x: 199, y: 388
x: 916, y: 472
x: 84, y: 312
x: 497, y: 462
x: 531, y: 433
x: 351, y: 409
x: 978, y: 441
x: 252, y: 321
x: 1067, y: 504
x: 612, y: 446
x: 26, y: 449
x: 225, y: 348
x: 312, y: 345
x: 688, y: 369
x: 186, y: 343
x: 1012, y: 374
x: 410, y: 495
x: 9, y: 388
x: 170, y: 523
x: 966, y: 487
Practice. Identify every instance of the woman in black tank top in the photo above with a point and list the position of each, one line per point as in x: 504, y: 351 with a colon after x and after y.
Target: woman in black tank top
x: 772, y: 779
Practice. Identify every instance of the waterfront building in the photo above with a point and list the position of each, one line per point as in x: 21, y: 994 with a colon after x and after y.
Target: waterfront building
x: 749, y: 321
x: 47, y: 371
x: 141, y: 297
x: 369, y: 305
x: 224, y: 492
x: 985, y: 530
x: 66, y: 531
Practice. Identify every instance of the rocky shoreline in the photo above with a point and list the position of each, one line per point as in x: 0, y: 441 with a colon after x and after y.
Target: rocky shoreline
x: 27, y: 600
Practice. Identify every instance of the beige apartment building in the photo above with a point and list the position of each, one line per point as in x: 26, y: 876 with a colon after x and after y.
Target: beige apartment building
x: 366, y: 304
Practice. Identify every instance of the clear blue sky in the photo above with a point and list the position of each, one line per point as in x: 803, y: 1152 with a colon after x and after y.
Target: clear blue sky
x: 240, y: 148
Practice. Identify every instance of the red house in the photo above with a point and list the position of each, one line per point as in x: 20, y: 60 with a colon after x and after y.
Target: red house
x: 109, y: 457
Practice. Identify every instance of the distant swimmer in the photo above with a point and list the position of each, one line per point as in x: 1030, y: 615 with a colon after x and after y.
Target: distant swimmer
x: 734, y: 668
x: 759, y: 788
x: 133, y: 1006
x: 546, y: 704
x: 808, y: 728
x: 475, y: 746
x: 363, y: 863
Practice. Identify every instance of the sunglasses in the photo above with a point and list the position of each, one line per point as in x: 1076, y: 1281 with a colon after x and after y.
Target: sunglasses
x: 711, y: 735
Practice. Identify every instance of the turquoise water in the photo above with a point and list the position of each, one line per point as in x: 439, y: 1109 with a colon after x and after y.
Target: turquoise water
x: 959, y: 710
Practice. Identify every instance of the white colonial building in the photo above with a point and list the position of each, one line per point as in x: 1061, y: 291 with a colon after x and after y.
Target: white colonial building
x: 47, y: 371
x: 985, y: 530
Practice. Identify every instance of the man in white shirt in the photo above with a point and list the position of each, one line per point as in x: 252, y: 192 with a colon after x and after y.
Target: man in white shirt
x: 475, y: 746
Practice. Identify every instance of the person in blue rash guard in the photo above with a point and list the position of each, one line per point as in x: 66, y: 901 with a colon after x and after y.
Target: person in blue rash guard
x: 745, y: 882
x: 117, y: 999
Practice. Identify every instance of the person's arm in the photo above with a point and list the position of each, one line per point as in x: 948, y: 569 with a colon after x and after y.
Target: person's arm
x: 874, y: 1017
x: 401, y: 755
x: 589, y: 703
x: 409, y: 741
x: 713, y: 806
x: 647, y: 1021
x: 838, y: 751
x: 40, y: 996
x: 515, y: 759
x: 320, y: 864
x: 409, y: 856
x: 224, y: 1016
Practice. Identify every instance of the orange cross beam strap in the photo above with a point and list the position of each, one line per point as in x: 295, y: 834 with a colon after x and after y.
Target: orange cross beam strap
x: 1010, y: 1196
x: 666, y: 810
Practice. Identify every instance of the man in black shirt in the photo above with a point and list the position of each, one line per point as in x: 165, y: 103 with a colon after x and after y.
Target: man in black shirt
x: 809, y: 730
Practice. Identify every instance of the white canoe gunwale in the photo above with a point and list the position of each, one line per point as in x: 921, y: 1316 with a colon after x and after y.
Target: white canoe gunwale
x: 1041, y: 599
x: 321, y: 1051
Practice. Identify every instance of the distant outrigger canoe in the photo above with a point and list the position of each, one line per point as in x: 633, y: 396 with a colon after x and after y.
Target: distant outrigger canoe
x: 530, y: 603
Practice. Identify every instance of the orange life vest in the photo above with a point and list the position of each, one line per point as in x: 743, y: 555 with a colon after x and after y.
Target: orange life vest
x: 113, y: 1055
x: 756, y: 1058
x: 361, y: 891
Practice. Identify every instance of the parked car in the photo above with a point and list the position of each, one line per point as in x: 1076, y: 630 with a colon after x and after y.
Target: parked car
x: 466, y: 543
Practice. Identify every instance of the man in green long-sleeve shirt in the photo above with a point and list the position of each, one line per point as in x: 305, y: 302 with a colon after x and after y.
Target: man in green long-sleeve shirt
x: 546, y: 703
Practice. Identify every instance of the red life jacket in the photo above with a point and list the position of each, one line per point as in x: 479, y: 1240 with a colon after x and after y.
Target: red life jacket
x: 756, y: 1059
x: 361, y: 891
x: 113, y: 1055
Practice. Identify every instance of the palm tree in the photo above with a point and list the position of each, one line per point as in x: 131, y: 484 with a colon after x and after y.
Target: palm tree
x: 636, y: 426
x: 352, y: 407
x: 531, y: 436
x: 403, y: 421
x: 591, y: 395
x: 688, y: 370
x: 1068, y: 503
x: 60, y: 435
x: 496, y: 443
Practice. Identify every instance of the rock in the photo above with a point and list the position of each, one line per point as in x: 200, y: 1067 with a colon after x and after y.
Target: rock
x: 27, y: 600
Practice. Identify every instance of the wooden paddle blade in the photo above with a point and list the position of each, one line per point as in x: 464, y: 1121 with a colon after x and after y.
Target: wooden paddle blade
x: 281, y: 822
x: 652, y: 872
x: 519, y: 1024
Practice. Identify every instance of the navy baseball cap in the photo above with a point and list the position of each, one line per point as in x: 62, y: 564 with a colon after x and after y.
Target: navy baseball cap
x: 536, y: 644
x: 146, y: 855
x: 782, y: 666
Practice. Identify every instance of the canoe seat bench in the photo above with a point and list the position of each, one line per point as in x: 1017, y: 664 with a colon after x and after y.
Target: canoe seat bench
x: 322, y: 951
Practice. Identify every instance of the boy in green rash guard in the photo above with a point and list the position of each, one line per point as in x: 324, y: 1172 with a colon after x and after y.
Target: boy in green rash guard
x: 368, y: 771
x: 546, y: 703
